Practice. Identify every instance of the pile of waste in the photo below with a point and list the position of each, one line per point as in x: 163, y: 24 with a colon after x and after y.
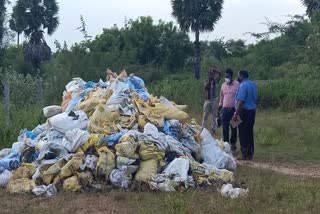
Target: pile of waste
x: 114, y: 133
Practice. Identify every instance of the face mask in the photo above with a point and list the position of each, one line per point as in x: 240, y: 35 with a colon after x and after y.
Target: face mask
x: 227, y: 80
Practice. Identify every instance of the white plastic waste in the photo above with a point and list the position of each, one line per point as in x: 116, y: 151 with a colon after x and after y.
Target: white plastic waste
x: 162, y: 183
x: 51, y: 111
x: 178, y: 169
x: 18, y: 147
x: 4, y: 152
x: 227, y: 190
x: 213, y: 154
x: 5, y: 177
x: 75, y: 85
x: 90, y: 162
x: 153, y: 135
x: 120, y: 178
x: 126, y: 164
x: 49, y: 190
x: 63, y: 122
x: 74, y: 139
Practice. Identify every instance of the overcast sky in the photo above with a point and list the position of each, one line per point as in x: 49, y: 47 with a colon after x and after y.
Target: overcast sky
x: 238, y: 17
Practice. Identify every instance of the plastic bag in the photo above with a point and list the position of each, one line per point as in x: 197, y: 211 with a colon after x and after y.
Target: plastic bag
x: 147, y: 170
x: 63, y: 122
x: 90, y: 104
x: 227, y: 190
x: 71, y: 167
x: 170, y: 112
x: 85, y: 178
x: 26, y: 170
x: 23, y: 185
x: 106, y: 162
x: 49, y: 174
x: 111, y: 140
x: 102, y: 121
x: 127, y: 149
x: 5, y: 177
x: 92, y: 141
x: 72, y: 184
x: 149, y: 150
x: 178, y: 169
x: 120, y: 178
x: 214, y: 173
x: 74, y: 139
x: 213, y: 154
x: 4, y: 152
x: 18, y: 147
x: 49, y: 190
x: 75, y: 85
x: 155, y: 136
x: 51, y: 151
x: 136, y: 82
x: 10, y: 162
x: 90, y: 162
x: 51, y: 111
x: 162, y: 183
x: 188, y: 141
x: 126, y: 164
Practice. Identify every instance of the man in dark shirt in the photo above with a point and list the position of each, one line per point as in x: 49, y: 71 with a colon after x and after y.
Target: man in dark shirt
x: 212, y: 98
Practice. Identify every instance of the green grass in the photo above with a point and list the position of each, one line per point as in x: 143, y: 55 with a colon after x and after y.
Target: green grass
x: 269, y: 193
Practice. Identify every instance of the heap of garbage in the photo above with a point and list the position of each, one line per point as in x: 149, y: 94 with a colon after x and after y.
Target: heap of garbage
x: 114, y: 133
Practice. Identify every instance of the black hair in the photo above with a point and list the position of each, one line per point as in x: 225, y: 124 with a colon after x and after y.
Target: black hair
x: 229, y: 71
x: 244, y: 74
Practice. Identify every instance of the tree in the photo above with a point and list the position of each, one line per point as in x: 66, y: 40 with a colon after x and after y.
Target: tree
x: 199, y: 16
x: 313, y: 7
x: 17, y: 22
x: 37, y: 16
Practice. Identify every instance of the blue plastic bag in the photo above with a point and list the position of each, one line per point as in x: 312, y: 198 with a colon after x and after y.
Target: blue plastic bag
x: 10, y: 162
x: 143, y: 94
x: 89, y: 84
x: 31, y: 135
x: 112, y: 139
x: 137, y: 82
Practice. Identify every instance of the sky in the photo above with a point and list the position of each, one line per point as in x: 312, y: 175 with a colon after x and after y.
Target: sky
x: 238, y: 16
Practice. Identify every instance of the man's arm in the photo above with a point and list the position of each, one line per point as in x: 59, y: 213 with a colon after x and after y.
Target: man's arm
x: 207, y: 84
x: 221, y: 98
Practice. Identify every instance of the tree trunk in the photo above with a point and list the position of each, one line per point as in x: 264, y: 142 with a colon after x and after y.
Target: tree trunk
x: 18, y: 39
x: 7, y: 103
x: 197, y: 55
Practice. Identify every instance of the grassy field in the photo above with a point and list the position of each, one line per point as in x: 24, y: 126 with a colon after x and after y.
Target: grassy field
x: 281, y: 137
x: 269, y: 193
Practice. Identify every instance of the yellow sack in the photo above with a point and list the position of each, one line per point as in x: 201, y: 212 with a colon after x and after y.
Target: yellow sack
x: 142, y: 121
x: 127, y: 122
x: 147, y: 170
x: 149, y: 150
x: 71, y: 167
x: 170, y: 112
x: 26, y: 170
x: 223, y: 174
x: 93, y: 140
x: 90, y: 104
x: 127, y: 148
x: 106, y: 162
x: 197, y: 169
x: 23, y: 185
x: 49, y: 174
x: 72, y: 184
x: 102, y: 121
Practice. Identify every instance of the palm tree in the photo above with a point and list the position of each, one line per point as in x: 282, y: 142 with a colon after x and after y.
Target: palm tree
x: 17, y: 23
x: 199, y: 16
x: 313, y: 7
x: 38, y: 16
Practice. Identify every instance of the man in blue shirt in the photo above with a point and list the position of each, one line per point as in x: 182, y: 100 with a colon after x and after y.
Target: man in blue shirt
x: 246, y: 104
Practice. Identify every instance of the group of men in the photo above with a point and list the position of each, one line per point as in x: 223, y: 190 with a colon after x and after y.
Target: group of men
x: 236, y: 104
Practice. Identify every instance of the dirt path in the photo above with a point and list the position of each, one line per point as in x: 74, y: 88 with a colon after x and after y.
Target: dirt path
x: 287, y: 169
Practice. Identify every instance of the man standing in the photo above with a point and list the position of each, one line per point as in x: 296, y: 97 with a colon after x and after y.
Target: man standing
x: 246, y: 104
x: 211, y: 103
x: 227, y: 98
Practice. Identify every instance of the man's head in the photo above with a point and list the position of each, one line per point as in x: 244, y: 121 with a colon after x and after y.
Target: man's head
x: 214, y: 73
x: 229, y: 75
x: 243, y: 74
